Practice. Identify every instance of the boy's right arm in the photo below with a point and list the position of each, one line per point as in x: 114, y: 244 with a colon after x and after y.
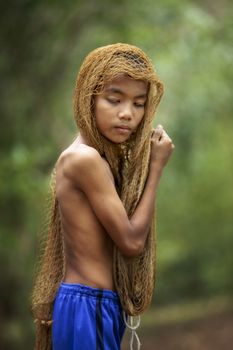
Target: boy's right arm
x: 88, y: 174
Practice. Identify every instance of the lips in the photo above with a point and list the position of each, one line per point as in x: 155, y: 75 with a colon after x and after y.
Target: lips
x: 123, y: 130
x: 123, y: 127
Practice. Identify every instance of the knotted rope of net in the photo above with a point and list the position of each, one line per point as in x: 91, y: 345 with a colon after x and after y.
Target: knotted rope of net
x: 134, y: 278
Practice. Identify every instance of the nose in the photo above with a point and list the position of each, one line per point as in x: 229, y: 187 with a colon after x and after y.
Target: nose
x: 126, y: 112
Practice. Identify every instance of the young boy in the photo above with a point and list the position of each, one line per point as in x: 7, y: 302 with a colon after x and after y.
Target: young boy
x: 100, y: 251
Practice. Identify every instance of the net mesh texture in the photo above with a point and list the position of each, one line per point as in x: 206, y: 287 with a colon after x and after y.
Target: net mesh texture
x: 134, y: 278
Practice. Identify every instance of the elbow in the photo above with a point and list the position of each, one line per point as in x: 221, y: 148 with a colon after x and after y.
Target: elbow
x: 133, y: 249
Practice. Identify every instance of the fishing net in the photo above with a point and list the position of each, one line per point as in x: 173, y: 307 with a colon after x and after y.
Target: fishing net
x: 134, y: 278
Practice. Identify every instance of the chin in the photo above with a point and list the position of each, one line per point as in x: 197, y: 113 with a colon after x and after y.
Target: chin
x: 117, y: 140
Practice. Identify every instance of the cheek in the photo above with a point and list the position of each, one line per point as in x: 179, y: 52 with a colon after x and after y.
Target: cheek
x: 98, y: 111
x: 101, y: 116
x: 140, y: 116
x: 101, y: 107
x: 103, y: 112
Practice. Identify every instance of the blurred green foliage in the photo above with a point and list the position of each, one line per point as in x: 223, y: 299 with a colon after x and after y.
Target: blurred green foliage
x: 43, y: 43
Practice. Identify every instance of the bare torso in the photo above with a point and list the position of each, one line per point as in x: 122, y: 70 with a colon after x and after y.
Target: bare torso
x: 93, y: 216
x: 88, y: 247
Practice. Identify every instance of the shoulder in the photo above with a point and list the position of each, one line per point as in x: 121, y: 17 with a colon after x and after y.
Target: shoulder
x: 78, y: 158
x: 80, y: 162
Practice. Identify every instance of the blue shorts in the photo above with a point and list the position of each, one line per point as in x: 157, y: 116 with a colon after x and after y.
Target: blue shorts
x: 86, y: 318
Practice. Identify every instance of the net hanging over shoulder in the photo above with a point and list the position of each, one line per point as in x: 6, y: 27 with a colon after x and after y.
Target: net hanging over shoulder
x: 134, y: 278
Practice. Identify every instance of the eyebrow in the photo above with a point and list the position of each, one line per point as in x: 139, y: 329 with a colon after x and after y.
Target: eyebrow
x: 119, y: 91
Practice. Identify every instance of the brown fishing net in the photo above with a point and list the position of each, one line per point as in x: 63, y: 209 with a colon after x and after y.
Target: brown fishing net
x: 134, y: 277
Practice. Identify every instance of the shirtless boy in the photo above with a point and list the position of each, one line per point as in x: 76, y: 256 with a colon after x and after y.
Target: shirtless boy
x: 87, y: 312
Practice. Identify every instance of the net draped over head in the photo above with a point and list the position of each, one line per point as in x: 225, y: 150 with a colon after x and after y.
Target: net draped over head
x: 134, y: 277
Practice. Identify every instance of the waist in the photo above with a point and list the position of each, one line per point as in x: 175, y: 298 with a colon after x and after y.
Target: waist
x: 81, y: 289
x: 94, y: 273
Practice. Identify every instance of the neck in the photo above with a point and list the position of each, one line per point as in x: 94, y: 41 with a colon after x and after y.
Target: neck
x: 81, y: 139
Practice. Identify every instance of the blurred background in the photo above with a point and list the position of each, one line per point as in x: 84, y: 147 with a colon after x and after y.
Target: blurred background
x: 43, y: 43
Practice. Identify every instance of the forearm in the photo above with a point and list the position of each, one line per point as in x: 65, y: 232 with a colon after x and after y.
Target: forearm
x: 142, y: 217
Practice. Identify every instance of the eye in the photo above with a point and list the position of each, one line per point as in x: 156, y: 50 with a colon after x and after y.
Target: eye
x: 139, y: 104
x: 113, y: 100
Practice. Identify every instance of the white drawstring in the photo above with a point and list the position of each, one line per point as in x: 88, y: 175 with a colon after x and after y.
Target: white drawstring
x: 132, y: 327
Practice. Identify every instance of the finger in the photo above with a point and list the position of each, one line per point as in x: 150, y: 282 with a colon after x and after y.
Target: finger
x: 166, y: 137
x: 158, y: 128
x: 157, y: 133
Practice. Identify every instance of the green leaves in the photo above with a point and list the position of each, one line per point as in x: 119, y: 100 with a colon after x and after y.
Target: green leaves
x: 190, y: 44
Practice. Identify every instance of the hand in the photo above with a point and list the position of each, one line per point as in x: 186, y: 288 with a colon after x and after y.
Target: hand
x: 161, y: 147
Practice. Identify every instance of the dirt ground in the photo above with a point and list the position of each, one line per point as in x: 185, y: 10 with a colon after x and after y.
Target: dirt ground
x: 213, y: 332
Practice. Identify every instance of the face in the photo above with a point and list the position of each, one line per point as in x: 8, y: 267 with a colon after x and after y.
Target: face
x: 120, y: 107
